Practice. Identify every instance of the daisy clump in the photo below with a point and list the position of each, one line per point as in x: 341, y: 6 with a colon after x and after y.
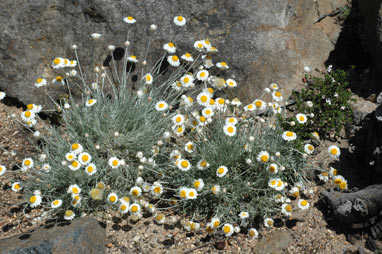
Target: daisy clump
x: 170, y: 138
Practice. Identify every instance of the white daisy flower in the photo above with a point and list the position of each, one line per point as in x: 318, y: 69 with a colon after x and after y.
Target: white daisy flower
x: 277, y: 96
x: 123, y: 207
x: 191, y: 193
x: 157, y: 189
x: 208, y: 112
x: 301, y: 118
x: 179, y: 21
x: 183, y: 164
x: 203, y: 164
x: 244, y: 215
x: 132, y: 59
x: 231, y: 120
x: 148, y: 79
x: 236, y: 102
x: 189, y: 147
x: 203, y: 99
x: 177, y: 86
x: 198, y: 184
x: 91, y: 169
x: 187, y: 80
x: 273, y: 168
x: 136, y: 191
x: 207, y: 61
x: 173, y: 60
x: 90, y: 102
x: 84, y: 158
x: 215, y: 189
x: 178, y: 119
x: 56, y: 203
x: 268, y: 222
x: 250, y: 107
x: 178, y: 130
x: 295, y: 192
x: 324, y: 176
x: 303, y: 204
x: 169, y: 47
x: 228, y: 229
x: 160, y: 218
x: 70, y: 156
x: 231, y: 83
x: 286, y: 209
x: 134, y: 208
x: 40, y: 82
x: 274, y: 86
x: 35, y: 200
x: 221, y: 171
x: 229, y: 130
x: 334, y: 151
x: 252, y: 233
x: 199, y: 45
x: 202, y: 75
x: 222, y: 65
x: 74, y: 189
x: 188, y: 57
x: 27, y: 163
x: 112, y: 198
x: 289, y: 135
x: 114, y: 162
x: 263, y: 157
x: 69, y: 215
x: 27, y: 115
x: 74, y: 165
x: 332, y: 172
x: 58, y: 81
x: 161, y: 106
x: 17, y: 186
x: 129, y: 20
x: 34, y: 108
x: 260, y: 105
x: 308, y: 148
x: 2, y: 95
x: 58, y: 62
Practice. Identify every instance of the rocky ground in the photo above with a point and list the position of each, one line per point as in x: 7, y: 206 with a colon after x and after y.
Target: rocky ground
x: 305, y: 232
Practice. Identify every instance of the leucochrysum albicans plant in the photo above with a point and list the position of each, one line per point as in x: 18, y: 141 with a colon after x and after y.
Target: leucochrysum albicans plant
x: 168, y: 140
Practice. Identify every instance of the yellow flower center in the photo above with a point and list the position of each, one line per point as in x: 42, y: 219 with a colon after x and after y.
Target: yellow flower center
x: 188, y: 55
x: 75, y: 164
x: 304, y: 203
x: 130, y: 18
x: 32, y: 199
x: 75, y: 190
x: 288, y: 208
x: 278, y: 94
x: 191, y: 194
x: 231, y: 120
x: 203, y: 98
x: 334, y: 172
x: 85, y: 158
x: 123, y: 207
x: 196, y: 184
x: 68, y: 213
x: 202, y: 74
x: 175, y: 58
x: 250, y: 106
x: 264, y: 158
x: 27, y: 163
x: 179, y: 18
x: 343, y: 185
x: 28, y: 114
x: 337, y: 181
x: 251, y: 233
x: 272, y: 169
x: 223, y: 63
x: 56, y: 202
x: 258, y: 104
x: 289, y: 134
x: 226, y: 229
x: 186, y: 79
x: 296, y: 194
x: 221, y: 171
x: 212, y: 102
x: 157, y: 189
x: 30, y: 106
x: 134, y: 209
x: 273, y: 182
x: 310, y: 147
x: 182, y: 193
x: 90, y: 169
x: 184, y: 164
x: 200, y: 45
x: 133, y: 57
x: 100, y: 186
x: 17, y: 186
x: 171, y: 45
x: 161, y: 105
x: 56, y: 61
x: 178, y: 119
x: 333, y: 151
x: 148, y: 77
x: 190, y: 147
x: 202, y: 119
x: 126, y: 199
x: 180, y: 129
x: 39, y: 80
x: 230, y: 129
x: 135, y: 193
x: 75, y: 146
x: 221, y: 101
x: 279, y: 183
x: 324, y: 174
x: 216, y: 224
x: 159, y: 217
x: 115, y: 163
x: 203, y: 163
x: 59, y: 79
x: 113, y: 198
x: 302, y: 118
x: 270, y: 223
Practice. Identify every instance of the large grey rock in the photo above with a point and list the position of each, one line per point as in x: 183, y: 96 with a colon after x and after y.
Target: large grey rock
x: 262, y: 41
x: 81, y: 236
x: 371, y: 11
x: 273, y: 242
